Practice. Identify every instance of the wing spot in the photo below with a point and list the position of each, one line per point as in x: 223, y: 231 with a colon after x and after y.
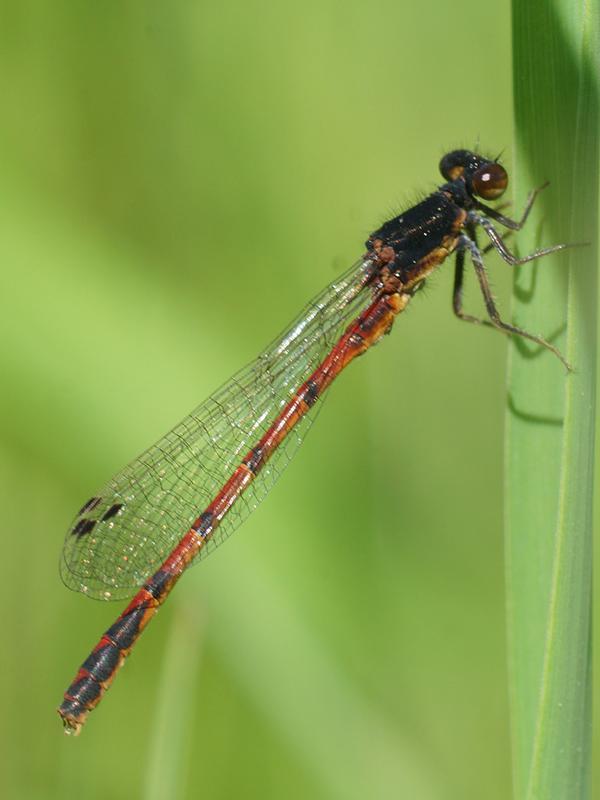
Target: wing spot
x: 112, y: 511
x: 83, y: 526
x: 91, y: 503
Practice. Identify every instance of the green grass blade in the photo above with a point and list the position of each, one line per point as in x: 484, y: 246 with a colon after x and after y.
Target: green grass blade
x: 550, y: 431
x: 172, y: 737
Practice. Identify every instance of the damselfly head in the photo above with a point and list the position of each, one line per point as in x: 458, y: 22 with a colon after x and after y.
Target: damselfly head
x: 483, y: 177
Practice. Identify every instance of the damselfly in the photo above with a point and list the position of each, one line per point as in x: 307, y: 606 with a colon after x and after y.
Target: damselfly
x: 182, y: 497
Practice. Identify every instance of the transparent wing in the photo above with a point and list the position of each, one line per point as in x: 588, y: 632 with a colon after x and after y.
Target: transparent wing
x: 122, y: 534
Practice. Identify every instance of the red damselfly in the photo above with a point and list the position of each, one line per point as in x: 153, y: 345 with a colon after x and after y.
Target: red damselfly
x: 182, y: 497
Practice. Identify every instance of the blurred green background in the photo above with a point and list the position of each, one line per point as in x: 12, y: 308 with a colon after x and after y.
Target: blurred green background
x: 177, y: 180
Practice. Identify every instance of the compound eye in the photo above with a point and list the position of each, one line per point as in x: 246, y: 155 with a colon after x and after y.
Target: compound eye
x: 490, y: 181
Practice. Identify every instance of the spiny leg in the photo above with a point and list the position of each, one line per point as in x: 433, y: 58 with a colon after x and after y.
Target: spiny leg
x: 498, y: 243
x: 457, y: 292
x: 513, y: 224
x: 491, y: 246
x: 495, y: 320
x: 498, y: 208
x: 459, y: 271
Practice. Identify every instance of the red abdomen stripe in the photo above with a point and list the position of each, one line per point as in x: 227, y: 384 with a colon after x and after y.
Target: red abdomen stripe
x: 99, y: 669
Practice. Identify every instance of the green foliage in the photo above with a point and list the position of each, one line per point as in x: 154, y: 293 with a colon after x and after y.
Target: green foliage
x: 550, y: 436
x: 178, y: 179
